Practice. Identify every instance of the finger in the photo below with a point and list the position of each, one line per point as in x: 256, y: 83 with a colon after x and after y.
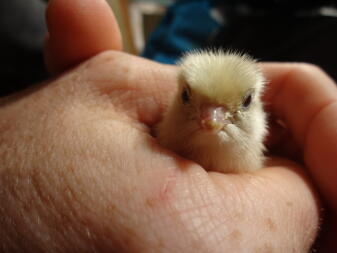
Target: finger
x: 78, y: 29
x: 305, y: 98
x: 297, y: 92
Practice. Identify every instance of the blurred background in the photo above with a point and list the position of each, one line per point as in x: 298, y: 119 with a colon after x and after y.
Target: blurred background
x: 163, y: 30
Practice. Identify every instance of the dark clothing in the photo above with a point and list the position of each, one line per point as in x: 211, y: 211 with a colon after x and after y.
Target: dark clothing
x: 306, y: 34
x: 269, y: 30
x: 22, y: 31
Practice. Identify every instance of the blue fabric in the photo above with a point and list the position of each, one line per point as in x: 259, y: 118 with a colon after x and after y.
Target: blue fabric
x: 187, y: 25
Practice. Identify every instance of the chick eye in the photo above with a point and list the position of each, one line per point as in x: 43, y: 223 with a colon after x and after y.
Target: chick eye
x: 185, y: 96
x: 247, y: 101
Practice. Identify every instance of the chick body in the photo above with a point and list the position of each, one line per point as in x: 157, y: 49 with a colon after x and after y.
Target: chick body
x: 217, y: 117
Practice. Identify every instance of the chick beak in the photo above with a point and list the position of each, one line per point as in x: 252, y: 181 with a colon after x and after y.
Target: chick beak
x: 213, y: 118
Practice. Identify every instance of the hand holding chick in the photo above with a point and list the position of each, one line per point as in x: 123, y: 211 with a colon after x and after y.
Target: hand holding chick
x: 115, y: 190
x: 217, y: 117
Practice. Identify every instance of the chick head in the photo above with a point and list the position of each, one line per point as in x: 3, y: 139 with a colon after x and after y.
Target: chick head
x: 218, y: 89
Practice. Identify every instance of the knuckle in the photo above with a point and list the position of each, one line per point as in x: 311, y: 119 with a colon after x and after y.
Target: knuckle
x: 307, y: 69
x: 103, y: 59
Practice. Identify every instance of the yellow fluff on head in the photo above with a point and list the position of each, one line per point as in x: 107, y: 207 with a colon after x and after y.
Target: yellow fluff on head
x: 225, y: 77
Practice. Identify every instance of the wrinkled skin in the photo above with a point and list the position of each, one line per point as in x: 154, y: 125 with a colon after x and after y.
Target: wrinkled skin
x: 80, y: 171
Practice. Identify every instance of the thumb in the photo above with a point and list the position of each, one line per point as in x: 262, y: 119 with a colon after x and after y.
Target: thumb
x: 78, y: 30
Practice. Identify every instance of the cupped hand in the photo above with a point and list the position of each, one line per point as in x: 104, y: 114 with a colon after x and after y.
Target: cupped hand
x: 81, y: 172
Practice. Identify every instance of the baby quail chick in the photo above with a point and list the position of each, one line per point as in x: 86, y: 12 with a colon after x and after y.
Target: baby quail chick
x: 217, y: 117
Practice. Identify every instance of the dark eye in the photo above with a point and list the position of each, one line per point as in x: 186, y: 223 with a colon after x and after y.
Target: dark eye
x: 185, y: 96
x: 247, y: 101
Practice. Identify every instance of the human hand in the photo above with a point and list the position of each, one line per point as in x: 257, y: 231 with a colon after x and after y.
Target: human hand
x: 87, y: 175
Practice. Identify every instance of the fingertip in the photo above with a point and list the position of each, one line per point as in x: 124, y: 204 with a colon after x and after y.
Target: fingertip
x: 78, y: 30
x: 296, y: 93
